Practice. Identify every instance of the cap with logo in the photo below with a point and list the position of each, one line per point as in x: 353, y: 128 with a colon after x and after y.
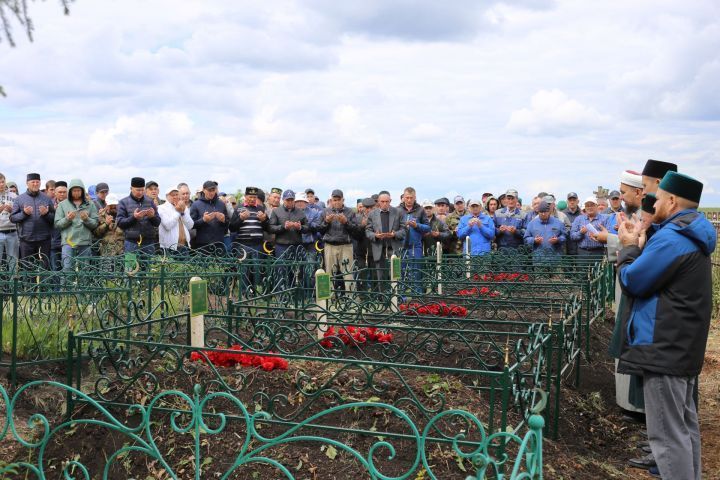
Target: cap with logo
x: 288, y: 194
x: 459, y: 199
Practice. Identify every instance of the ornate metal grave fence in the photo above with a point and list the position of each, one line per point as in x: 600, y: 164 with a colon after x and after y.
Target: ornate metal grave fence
x: 174, y: 421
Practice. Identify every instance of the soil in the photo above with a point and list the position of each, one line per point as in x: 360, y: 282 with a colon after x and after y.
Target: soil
x: 594, y: 440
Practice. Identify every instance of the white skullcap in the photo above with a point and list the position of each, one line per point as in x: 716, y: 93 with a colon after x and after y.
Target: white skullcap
x: 631, y: 178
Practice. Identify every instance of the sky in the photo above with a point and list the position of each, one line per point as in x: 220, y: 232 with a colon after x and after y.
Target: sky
x: 448, y: 97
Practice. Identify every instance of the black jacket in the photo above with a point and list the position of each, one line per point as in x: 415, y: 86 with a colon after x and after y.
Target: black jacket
x: 214, y: 231
x: 276, y: 225
x: 669, y: 289
x: 134, y: 228
x: 33, y: 227
x: 335, y: 233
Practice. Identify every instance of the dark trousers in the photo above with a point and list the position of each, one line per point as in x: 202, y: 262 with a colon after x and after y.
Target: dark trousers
x: 597, y: 252
x: 30, y: 249
x: 382, y: 270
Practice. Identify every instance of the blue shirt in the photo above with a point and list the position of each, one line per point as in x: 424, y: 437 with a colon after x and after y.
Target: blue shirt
x: 584, y: 238
x: 509, y: 218
x: 553, y: 227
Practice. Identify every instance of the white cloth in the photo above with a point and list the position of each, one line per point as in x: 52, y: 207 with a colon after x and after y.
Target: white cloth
x: 170, y: 220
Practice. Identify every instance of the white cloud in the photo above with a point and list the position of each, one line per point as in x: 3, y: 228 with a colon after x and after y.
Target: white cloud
x: 426, y: 131
x: 552, y: 112
x: 364, y: 95
x: 155, y: 135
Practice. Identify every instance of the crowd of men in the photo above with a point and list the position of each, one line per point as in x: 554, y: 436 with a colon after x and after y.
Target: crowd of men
x: 649, y: 226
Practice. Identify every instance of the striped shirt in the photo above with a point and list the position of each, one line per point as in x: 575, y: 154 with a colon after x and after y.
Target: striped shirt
x: 251, y: 229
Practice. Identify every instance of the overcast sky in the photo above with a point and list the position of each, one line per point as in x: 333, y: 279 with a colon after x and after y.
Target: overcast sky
x: 446, y: 96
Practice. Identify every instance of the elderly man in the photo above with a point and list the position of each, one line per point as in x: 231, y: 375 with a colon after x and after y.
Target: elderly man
x: 509, y: 222
x: 249, y: 222
x: 338, y: 226
x: 478, y: 228
x: 669, y: 283
x: 314, y: 221
x: 273, y: 200
x: 288, y: 224
x: 137, y: 217
x: 438, y: 229
x: 545, y: 233
x: 362, y: 248
x: 585, y: 226
x: 9, y: 244
x: 385, y: 229
x: 175, y: 223
x: 209, y: 215
x: 34, y: 213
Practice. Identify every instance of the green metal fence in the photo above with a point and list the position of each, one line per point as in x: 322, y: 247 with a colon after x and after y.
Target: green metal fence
x: 193, y: 420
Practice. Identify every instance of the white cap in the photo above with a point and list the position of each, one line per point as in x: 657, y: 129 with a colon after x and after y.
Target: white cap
x: 474, y: 201
x: 112, y: 199
x: 427, y: 203
x: 301, y: 197
x: 590, y: 199
x: 170, y: 190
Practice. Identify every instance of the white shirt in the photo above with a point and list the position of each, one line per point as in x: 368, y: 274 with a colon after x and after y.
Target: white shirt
x: 170, y: 220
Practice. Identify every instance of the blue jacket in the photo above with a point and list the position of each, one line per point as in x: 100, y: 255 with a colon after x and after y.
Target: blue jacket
x: 669, y: 285
x: 33, y: 227
x: 481, y: 236
x: 414, y: 235
x: 554, y: 227
x: 147, y: 227
x: 213, y: 232
x: 505, y: 217
x: 314, y: 220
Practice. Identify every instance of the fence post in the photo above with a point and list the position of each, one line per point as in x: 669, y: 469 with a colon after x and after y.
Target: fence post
x: 13, y: 353
x: 467, y: 257
x: 323, y: 291
x: 438, y: 251
x: 395, y: 272
x: 198, y: 309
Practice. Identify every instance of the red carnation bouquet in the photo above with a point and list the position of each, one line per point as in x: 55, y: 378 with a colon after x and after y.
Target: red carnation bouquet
x: 356, y: 336
x: 238, y: 357
x: 440, y: 309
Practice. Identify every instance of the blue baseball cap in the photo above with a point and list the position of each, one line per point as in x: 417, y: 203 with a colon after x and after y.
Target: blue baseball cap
x: 288, y: 194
